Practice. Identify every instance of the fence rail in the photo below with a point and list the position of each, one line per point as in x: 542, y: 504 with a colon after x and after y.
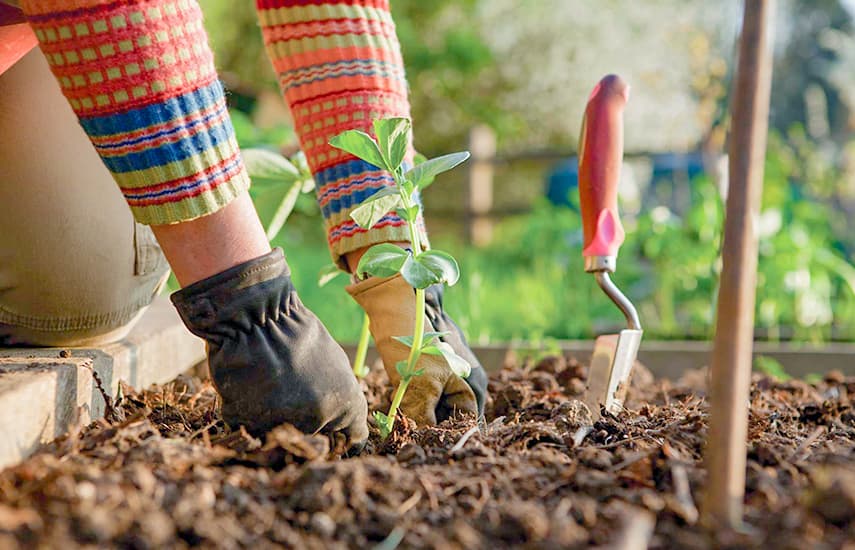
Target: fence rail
x: 480, y: 214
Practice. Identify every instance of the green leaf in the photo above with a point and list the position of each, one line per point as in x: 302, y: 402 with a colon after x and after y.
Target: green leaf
x: 423, y: 174
x: 442, y: 264
x: 328, y: 273
x: 409, y: 214
x: 458, y: 365
x: 403, y: 371
x: 384, y: 423
x: 427, y: 340
x: 393, y: 137
x: 375, y: 207
x: 408, y: 188
x: 383, y: 260
x: 406, y: 340
x: 419, y: 275
x: 403, y: 213
x: 302, y: 165
x: 283, y: 211
x: 429, y: 336
x: 382, y: 192
x: 419, y: 158
x: 267, y: 167
x: 360, y: 145
x: 431, y: 350
x: 771, y: 367
x: 307, y: 185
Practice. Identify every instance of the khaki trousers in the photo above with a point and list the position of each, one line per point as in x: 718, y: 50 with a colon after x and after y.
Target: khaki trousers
x: 75, y: 270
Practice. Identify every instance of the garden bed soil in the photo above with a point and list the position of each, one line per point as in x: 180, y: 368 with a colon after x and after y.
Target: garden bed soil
x: 163, y: 471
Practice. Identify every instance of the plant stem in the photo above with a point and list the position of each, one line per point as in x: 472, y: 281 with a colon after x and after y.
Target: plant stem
x: 414, y: 237
x: 419, y: 324
x: 418, y: 331
x: 419, y: 328
x: 396, y: 401
x: 283, y: 211
x: 415, y: 353
x: 407, y: 200
x: 359, y: 368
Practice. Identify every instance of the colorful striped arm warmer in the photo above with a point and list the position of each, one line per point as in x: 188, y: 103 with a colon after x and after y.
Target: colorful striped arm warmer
x: 339, y: 66
x: 140, y: 76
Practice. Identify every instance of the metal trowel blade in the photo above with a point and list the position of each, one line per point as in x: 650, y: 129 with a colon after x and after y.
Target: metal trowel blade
x: 611, y: 365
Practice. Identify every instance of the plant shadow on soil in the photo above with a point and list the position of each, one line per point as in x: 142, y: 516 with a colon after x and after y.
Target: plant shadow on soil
x: 165, y: 472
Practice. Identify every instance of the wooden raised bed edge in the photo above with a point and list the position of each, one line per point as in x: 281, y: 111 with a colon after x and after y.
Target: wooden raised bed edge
x: 670, y: 359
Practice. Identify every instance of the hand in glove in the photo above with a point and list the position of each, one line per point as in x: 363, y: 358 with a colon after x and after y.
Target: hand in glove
x: 435, y: 394
x: 271, y: 359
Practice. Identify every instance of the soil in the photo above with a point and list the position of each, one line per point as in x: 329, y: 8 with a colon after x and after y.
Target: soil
x: 164, y: 472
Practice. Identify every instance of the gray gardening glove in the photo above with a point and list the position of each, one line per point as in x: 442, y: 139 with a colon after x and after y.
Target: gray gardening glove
x: 271, y: 359
x: 441, y: 322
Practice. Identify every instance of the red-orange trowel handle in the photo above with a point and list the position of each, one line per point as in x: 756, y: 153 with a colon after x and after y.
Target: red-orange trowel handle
x: 600, y: 158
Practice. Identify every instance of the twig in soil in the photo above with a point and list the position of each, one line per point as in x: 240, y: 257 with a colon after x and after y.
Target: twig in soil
x: 630, y: 461
x: 459, y: 445
x: 483, y: 498
x: 408, y: 504
x: 638, y: 525
x: 648, y: 433
x: 457, y: 487
x: 493, y: 424
x: 552, y: 487
x: 203, y: 429
x: 432, y: 500
x: 807, y: 442
x: 620, y: 442
x: 392, y: 540
x: 581, y: 434
x: 683, y: 493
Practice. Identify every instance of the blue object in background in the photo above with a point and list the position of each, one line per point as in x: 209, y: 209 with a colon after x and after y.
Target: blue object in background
x: 669, y: 166
x: 562, y: 180
x: 669, y: 176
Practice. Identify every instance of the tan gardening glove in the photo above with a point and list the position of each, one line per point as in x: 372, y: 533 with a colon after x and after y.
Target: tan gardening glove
x: 435, y: 394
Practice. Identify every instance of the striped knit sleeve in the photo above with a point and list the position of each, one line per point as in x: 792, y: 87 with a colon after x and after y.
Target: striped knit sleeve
x: 339, y: 67
x: 140, y: 76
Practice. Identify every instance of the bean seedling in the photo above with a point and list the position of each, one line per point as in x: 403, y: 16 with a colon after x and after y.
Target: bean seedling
x: 360, y: 369
x: 418, y: 265
x: 272, y: 173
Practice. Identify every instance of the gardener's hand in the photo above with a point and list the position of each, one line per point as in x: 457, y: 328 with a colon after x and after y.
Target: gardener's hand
x: 270, y: 358
x: 437, y: 393
x: 440, y: 322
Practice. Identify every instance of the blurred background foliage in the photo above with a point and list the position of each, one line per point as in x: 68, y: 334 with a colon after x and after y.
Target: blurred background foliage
x: 524, y: 68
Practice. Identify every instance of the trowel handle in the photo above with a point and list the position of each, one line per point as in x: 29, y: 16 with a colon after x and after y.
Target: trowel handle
x: 600, y: 158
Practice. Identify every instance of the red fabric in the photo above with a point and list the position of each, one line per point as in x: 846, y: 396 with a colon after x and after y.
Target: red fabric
x: 16, y: 37
x: 10, y: 15
x: 15, y: 42
x: 267, y: 4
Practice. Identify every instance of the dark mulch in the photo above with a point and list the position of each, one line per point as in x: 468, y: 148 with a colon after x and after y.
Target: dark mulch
x: 165, y: 472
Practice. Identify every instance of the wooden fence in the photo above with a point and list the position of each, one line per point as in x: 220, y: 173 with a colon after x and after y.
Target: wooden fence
x: 479, y: 212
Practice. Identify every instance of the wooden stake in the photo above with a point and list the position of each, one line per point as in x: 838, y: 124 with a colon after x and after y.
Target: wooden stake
x: 479, y: 195
x: 731, y: 357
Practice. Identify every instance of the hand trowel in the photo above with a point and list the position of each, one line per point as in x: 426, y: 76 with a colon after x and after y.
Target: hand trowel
x: 600, y: 158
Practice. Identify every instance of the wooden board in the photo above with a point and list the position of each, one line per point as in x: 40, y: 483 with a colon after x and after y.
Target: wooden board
x: 45, y: 391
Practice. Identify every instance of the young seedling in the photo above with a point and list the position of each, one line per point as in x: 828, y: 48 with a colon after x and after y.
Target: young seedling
x: 420, y: 268
x: 360, y: 369
x: 271, y: 171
